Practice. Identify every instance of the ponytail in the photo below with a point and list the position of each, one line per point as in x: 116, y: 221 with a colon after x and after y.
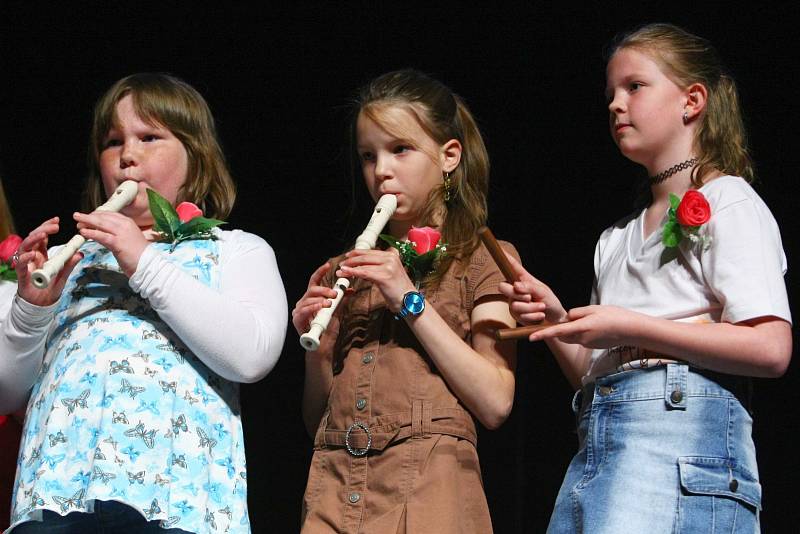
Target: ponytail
x: 721, y: 137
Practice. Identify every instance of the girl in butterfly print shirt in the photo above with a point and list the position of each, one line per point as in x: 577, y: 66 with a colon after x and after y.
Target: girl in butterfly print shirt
x: 134, y: 396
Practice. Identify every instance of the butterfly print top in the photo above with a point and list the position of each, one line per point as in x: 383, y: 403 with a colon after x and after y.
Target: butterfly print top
x: 123, y: 411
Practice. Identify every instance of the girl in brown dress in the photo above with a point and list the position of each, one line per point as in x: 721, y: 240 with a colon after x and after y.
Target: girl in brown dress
x: 391, y: 402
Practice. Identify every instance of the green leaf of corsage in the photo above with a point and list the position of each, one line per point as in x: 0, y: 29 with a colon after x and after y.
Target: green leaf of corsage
x: 182, y: 224
x: 7, y: 273
x: 8, y: 250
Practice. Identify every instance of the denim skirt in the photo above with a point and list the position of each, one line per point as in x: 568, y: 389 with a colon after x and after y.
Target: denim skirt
x: 661, y: 450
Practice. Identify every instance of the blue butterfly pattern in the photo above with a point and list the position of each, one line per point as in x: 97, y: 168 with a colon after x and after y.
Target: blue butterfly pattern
x: 203, y: 267
x: 164, y: 364
x: 53, y: 461
x: 82, y: 477
x: 119, y: 341
x: 228, y: 464
x: 132, y: 453
x: 76, y: 501
x: 105, y: 413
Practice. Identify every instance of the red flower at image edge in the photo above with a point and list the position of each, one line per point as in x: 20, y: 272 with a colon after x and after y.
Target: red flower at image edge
x: 694, y: 209
x: 8, y: 247
x: 424, y: 239
x: 188, y: 211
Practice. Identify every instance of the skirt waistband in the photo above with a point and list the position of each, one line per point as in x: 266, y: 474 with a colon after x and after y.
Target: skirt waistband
x: 675, y: 382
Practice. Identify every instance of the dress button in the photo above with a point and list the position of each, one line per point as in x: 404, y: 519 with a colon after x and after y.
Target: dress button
x: 734, y: 485
x: 361, y: 404
x: 368, y: 357
x: 605, y: 390
x: 354, y: 497
x: 676, y: 396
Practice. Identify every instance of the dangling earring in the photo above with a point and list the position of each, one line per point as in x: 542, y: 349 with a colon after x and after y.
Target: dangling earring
x: 448, y: 186
x: 685, y: 117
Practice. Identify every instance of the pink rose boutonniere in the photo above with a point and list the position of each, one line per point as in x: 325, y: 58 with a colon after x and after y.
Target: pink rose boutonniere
x: 686, y: 219
x: 421, y: 253
x: 179, y: 224
x: 8, y: 247
x: 424, y: 239
x: 187, y: 211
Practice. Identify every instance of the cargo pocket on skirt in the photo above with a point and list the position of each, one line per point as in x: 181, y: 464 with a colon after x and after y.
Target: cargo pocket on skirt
x: 717, y: 495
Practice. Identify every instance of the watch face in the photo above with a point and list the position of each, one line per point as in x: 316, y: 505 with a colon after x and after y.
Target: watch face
x: 414, y: 302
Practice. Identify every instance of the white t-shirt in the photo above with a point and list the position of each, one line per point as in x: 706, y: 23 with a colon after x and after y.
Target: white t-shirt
x: 737, y: 276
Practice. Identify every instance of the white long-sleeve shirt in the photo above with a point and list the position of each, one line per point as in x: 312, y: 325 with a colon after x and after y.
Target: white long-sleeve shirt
x: 7, y: 292
x: 237, y: 331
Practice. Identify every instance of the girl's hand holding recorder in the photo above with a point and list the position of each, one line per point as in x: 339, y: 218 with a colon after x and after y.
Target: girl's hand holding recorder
x: 32, y: 256
x: 116, y: 232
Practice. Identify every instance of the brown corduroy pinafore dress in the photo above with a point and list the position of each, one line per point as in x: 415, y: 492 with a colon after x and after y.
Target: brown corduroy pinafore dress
x: 412, y: 466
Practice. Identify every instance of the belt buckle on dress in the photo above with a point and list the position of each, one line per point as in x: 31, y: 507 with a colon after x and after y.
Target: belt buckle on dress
x: 352, y: 450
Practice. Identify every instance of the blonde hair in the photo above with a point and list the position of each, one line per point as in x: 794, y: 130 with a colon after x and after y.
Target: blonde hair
x: 443, y: 116
x: 170, y: 102
x: 720, y: 140
x: 6, y: 222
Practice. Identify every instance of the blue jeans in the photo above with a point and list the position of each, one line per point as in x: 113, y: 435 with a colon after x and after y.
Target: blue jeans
x: 661, y: 450
x: 109, y: 517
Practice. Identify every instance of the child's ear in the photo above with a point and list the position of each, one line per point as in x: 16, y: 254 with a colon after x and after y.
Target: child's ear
x: 696, y: 100
x: 451, y: 155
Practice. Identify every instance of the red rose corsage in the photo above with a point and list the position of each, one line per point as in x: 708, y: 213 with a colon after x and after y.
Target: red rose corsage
x: 8, y: 249
x: 421, y: 253
x: 686, y: 219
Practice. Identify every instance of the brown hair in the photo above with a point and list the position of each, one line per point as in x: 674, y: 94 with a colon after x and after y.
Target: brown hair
x: 6, y: 222
x: 720, y: 139
x: 443, y: 116
x: 170, y: 102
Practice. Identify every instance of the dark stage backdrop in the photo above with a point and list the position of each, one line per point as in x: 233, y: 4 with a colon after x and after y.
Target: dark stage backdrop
x: 278, y: 82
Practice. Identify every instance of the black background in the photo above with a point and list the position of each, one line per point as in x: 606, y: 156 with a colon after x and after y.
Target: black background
x: 278, y: 81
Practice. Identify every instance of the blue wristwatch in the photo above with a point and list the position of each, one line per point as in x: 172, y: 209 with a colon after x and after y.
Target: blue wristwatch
x: 413, y: 304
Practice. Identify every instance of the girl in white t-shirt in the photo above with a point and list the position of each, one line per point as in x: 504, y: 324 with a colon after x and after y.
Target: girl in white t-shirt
x: 688, y: 299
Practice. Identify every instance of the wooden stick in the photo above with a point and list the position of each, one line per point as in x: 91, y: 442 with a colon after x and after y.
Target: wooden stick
x: 497, y: 253
x: 500, y: 258
x: 519, y: 332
